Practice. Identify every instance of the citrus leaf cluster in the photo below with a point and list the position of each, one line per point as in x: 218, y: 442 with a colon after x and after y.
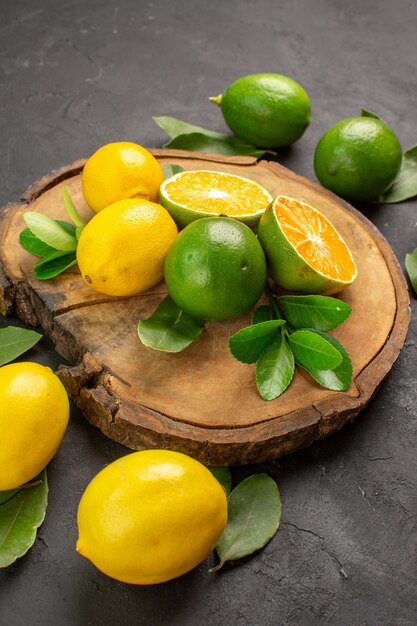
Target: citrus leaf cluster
x: 278, y: 342
x: 54, y: 241
x: 22, y: 510
x: 254, y: 514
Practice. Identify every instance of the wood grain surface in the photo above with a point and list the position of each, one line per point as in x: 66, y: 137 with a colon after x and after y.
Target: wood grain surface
x: 202, y: 401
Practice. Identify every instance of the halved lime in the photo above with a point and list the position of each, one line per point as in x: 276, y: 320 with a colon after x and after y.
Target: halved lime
x: 194, y: 194
x: 304, y: 250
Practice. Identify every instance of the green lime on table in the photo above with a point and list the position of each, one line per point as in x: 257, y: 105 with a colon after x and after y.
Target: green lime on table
x: 215, y: 269
x: 266, y: 110
x: 359, y: 157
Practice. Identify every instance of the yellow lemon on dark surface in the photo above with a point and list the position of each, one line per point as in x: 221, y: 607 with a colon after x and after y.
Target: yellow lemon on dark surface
x: 151, y: 516
x: 34, y: 412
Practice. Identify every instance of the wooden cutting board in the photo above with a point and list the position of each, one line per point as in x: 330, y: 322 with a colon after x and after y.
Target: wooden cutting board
x: 202, y: 401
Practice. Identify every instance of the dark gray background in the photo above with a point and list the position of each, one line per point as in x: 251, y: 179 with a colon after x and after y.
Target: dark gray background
x: 76, y: 75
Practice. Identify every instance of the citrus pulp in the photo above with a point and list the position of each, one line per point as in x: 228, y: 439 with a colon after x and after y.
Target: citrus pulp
x: 151, y: 516
x: 216, y: 269
x: 33, y: 418
x: 304, y: 250
x: 190, y: 195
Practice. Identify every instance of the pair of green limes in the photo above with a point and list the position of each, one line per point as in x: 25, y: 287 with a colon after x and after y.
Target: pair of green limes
x: 358, y: 157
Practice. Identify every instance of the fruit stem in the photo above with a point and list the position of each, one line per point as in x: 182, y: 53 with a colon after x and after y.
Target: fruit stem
x: 216, y: 99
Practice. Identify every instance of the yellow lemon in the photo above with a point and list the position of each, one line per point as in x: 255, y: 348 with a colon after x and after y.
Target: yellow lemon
x: 151, y: 516
x: 118, y: 171
x: 34, y: 412
x: 122, y: 249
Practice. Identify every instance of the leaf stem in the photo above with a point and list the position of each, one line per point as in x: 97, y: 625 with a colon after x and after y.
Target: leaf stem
x: 272, y: 302
x: 70, y: 209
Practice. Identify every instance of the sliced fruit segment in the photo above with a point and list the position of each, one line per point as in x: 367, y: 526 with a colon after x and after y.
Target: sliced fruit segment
x: 191, y: 195
x: 304, y: 250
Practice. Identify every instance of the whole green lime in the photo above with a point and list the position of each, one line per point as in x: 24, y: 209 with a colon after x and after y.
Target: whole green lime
x: 359, y: 157
x: 265, y: 110
x: 215, y: 269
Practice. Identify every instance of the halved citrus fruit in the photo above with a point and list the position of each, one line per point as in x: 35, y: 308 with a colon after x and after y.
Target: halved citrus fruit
x: 304, y: 250
x: 191, y: 195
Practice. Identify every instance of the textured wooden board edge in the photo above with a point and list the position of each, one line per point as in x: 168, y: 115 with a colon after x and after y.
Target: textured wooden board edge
x: 138, y: 427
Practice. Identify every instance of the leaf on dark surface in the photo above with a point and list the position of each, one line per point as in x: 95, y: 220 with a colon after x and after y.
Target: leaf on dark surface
x: 54, y: 264
x: 411, y: 267
x: 174, y: 127
x: 20, y: 517
x: 313, y: 350
x: 274, y: 369
x: 339, y: 378
x: 223, y: 475
x: 227, y: 145
x: 247, y: 344
x: 365, y: 113
x: 254, y: 514
x: 14, y: 341
x: 169, y: 328
x: 319, y: 312
x: 404, y: 186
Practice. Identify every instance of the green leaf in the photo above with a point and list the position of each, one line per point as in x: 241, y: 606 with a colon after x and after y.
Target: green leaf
x: 32, y: 244
x: 275, y: 369
x: 224, y: 477
x: 171, y: 169
x: 404, y: 186
x: 365, y: 113
x: 247, y: 344
x: 169, y: 329
x: 20, y: 516
x: 72, y: 211
x: 50, y: 231
x: 340, y: 377
x: 319, y: 312
x: 6, y: 495
x: 174, y: 127
x: 314, y: 351
x: 262, y: 314
x: 15, y: 341
x: 54, y: 264
x: 411, y: 267
x: 202, y: 142
x: 254, y: 514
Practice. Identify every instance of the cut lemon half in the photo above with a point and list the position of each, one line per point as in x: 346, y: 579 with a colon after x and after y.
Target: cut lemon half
x: 191, y: 195
x: 304, y: 250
